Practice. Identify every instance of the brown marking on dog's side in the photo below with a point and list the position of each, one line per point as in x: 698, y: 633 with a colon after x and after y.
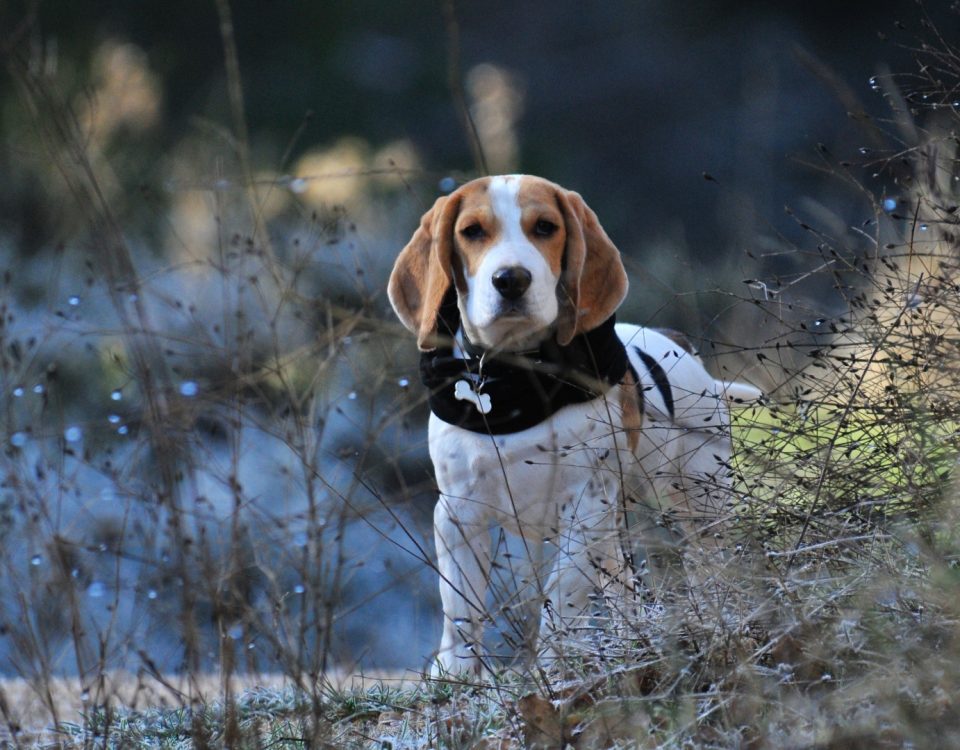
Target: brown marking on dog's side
x: 677, y: 338
x: 631, y: 417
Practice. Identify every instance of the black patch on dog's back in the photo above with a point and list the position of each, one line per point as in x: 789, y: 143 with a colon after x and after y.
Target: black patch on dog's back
x: 660, y: 378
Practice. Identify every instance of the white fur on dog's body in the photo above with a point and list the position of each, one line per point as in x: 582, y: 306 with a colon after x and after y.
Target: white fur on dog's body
x: 555, y: 481
x: 684, y: 457
x: 566, y: 479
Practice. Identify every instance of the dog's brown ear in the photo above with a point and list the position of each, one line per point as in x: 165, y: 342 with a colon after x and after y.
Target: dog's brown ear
x: 422, y: 273
x: 594, y: 281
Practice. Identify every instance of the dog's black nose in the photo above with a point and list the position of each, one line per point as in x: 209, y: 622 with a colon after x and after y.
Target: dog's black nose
x: 511, y: 281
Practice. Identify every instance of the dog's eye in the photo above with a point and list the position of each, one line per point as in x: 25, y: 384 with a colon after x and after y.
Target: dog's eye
x: 473, y: 232
x: 544, y: 228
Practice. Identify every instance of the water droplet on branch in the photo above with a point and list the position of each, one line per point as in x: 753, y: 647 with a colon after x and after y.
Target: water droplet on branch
x: 96, y: 590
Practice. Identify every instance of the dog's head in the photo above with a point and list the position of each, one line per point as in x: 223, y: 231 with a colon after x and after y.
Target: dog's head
x: 528, y: 260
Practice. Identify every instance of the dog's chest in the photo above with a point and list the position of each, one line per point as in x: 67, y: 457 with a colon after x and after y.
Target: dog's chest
x: 533, y: 477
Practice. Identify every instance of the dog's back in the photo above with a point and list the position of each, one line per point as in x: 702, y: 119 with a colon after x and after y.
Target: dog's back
x: 684, y: 449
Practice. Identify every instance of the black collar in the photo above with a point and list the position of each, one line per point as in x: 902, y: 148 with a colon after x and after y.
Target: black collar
x: 510, y: 392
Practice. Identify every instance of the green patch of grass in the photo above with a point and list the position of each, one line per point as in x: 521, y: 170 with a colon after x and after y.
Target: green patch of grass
x: 791, y: 457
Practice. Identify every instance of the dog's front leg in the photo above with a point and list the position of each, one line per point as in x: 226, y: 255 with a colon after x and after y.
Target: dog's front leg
x: 588, y: 566
x: 463, y: 560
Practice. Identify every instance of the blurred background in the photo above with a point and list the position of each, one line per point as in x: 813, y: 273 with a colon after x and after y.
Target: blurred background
x: 212, y: 430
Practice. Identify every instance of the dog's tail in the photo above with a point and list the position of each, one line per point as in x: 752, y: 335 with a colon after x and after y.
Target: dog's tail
x: 739, y: 394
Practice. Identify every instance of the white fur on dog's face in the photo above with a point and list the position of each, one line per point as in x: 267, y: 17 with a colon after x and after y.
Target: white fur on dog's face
x: 509, y: 239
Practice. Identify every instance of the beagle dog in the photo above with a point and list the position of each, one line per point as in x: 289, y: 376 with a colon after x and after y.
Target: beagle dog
x: 547, y: 417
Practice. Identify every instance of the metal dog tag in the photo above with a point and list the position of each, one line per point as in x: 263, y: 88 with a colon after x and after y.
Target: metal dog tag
x: 464, y: 391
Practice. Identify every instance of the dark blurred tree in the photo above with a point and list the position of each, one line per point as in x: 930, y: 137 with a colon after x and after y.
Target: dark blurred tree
x: 628, y: 102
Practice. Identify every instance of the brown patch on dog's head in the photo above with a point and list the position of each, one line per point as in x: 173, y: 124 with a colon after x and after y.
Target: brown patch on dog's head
x: 594, y: 280
x: 457, y: 231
